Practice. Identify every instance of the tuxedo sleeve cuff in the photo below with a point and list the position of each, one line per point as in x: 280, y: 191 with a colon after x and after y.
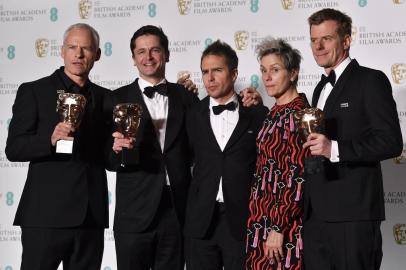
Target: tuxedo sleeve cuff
x: 334, y: 156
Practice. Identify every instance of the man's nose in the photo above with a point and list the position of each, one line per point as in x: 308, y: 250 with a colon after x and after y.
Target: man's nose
x: 319, y: 44
x: 79, y: 52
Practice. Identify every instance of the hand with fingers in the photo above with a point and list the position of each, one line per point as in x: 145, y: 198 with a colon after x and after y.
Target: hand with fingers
x: 319, y: 145
x: 273, y: 246
x: 188, y: 83
x: 121, y: 142
x: 62, y: 131
x: 250, y: 97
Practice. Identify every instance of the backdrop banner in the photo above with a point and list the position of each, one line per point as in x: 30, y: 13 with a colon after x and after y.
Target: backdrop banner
x: 31, y: 39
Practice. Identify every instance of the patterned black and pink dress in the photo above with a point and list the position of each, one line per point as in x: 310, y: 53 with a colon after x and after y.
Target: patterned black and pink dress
x: 276, y: 200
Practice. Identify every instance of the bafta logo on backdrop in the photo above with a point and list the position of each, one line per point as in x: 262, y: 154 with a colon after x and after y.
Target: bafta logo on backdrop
x: 354, y: 32
x: 288, y: 4
x: 398, y: 71
x: 399, y: 233
x: 184, y: 6
x: 398, y: 1
x: 41, y: 47
x: 402, y: 158
x: 85, y: 9
x: 241, y: 40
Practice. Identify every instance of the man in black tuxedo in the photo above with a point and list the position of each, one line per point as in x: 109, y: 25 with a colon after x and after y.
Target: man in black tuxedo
x: 153, y: 181
x: 344, y: 197
x: 64, y: 206
x: 222, y: 135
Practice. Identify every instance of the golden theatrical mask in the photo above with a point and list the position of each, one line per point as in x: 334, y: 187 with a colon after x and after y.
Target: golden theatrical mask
x: 41, y: 47
x: 85, y: 8
x: 309, y: 120
x: 288, y: 4
x: 127, y: 117
x: 241, y: 40
x: 184, y: 6
x: 70, y: 108
x: 399, y: 233
x: 398, y: 71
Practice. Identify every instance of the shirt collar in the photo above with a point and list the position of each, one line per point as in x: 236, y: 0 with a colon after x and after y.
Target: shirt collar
x: 233, y: 98
x: 68, y: 82
x: 143, y: 83
x: 341, y: 67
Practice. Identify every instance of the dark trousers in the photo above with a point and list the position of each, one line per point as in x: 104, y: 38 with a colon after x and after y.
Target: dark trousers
x: 160, y: 247
x: 76, y: 248
x: 355, y: 245
x: 219, y: 249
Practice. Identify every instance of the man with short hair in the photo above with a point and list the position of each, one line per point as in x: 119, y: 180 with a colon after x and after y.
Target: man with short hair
x: 152, y: 185
x: 344, y: 203
x: 222, y: 135
x: 64, y: 206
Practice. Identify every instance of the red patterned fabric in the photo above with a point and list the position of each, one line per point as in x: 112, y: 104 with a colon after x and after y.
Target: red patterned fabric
x: 276, y: 200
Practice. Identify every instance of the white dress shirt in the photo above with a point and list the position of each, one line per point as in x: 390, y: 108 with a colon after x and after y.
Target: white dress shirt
x: 158, y: 109
x: 324, y: 94
x: 223, y: 126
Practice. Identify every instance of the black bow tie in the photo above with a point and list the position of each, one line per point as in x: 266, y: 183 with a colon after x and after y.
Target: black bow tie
x: 220, y: 108
x: 331, y: 78
x: 160, y: 89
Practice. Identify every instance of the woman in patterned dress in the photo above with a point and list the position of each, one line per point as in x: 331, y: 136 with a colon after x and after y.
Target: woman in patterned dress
x: 274, y: 227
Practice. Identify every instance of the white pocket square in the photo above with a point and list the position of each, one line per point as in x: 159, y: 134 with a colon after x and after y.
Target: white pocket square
x: 344, y: 105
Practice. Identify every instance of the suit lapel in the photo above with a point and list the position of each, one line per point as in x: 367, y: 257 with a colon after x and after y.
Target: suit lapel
x: 316, y: 93
x: 146, y: 127
x: 338, y: 88
x: 244, y: 120
x: 175, y: 116
x: 206, y: 129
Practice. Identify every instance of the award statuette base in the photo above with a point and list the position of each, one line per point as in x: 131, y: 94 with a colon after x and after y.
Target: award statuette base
x: 64, y: 147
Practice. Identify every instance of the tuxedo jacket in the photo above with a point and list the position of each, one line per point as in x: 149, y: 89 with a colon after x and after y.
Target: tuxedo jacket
x: 140, y: 183
x: 235, y: 164
x: 361, y: 115
x: 60, y: 189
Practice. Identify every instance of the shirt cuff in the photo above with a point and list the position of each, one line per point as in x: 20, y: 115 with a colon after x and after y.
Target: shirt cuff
x: 334, y: 156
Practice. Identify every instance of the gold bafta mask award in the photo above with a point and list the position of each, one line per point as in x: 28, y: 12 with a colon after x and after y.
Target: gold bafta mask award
x: 309, y: 120
x: 70, y: 108
x: 127, y: 117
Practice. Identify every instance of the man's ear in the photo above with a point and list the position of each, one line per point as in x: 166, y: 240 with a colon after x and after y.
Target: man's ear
x: 234, y: 74
x: 98, y: 54
x: 347, y: 42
